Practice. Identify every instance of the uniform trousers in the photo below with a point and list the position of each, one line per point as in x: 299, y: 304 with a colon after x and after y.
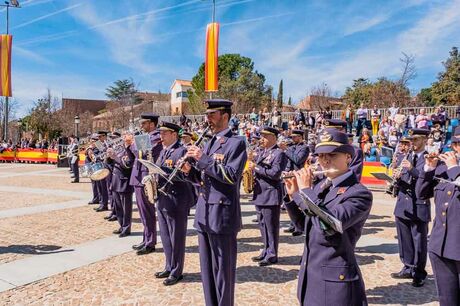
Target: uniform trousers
x: 269, y: 224
x: 124, y: 209
x: 447, y: 275
x: 148, y: 218
x: 218, y: 267
x: 412, y: 242
x: 173, y: 230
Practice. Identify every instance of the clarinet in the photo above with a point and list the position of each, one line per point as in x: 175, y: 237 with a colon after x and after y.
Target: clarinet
x: 181, y: 163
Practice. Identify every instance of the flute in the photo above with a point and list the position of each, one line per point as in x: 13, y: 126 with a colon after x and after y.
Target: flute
x: 315, y: 173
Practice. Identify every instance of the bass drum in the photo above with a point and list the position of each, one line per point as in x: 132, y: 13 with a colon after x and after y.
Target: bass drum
x: 85, y: 170
x: 98, y: 171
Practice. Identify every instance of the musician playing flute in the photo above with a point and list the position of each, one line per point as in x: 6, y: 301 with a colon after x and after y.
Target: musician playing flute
x: 329, y: 273
x: 444, y: 246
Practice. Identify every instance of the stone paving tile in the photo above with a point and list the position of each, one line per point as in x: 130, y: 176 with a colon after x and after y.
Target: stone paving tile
x: 128, y: 279
x: 10, y: 200
x: 52, y: 231
x: 23, y: 168
x: 43, y: 181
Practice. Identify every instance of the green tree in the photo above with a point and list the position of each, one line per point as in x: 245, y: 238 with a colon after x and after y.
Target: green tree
x: 279, y: 99
x: 425, y: 97
x: 238, y: 82
x: 123, y: 91
x: 446, y: 90
x: 359, y: 92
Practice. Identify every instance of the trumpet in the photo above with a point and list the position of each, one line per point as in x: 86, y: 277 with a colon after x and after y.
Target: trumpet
x: 442, y: 180
x: 315, y: 173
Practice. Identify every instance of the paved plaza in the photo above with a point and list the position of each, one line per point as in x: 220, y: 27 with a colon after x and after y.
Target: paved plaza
x: 54, y: 249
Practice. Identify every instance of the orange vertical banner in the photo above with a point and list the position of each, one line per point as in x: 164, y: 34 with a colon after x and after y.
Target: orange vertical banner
x: 211, y: 61
x: 5, y: 65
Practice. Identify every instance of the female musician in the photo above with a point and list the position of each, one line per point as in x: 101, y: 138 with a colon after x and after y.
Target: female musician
x: 444, y: 242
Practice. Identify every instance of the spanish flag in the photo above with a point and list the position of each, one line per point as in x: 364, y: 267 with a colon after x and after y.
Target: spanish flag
x: 5, y: 65
x: 212, y: 45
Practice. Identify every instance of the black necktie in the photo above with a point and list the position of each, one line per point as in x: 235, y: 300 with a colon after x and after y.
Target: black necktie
x: 325, y: 186
x: 211, y: 143
x: 415, y: 160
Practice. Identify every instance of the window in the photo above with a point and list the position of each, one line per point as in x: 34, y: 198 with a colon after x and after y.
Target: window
x: 182, y: 94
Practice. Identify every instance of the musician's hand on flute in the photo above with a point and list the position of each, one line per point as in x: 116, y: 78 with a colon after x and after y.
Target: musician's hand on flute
x: 449, y: 158
x: 251, y: 165
x: 431, y: 160
x: 194, y: 152
x: 304, y: 178
x: 291, y: 185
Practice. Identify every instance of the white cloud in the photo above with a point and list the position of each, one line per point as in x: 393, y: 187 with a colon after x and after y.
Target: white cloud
x: 30, y: 55
x: 28, y: 87
x: 47, y: 16
x: 361, y: 24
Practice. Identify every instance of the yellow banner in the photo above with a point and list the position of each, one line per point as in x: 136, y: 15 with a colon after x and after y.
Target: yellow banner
x: 211, y: 59
x: 5, y: 65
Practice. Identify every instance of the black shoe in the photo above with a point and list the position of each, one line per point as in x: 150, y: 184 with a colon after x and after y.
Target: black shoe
x: 93, y: 202
x: 75, y: 181
x: 107, y: 217
x: 118, y: 231
x: 257, y: 258
x: 265, y: 263
x: 112, y: 218
x: 125, y: 234
x: 296, y: 233
x: 145, y: 250
x: 289, y: 230
x: 418, y: 282
x: 172, y: 280
x: 401, y: 275
x: 162, y: 274
x: 255, y: 220
x: 138, y: 246
x: 72, y: 176
x: 101, y: 208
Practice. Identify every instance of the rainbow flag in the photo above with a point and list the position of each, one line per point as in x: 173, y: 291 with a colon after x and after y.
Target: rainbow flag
x: 212, y: 45
x: 5, y: 65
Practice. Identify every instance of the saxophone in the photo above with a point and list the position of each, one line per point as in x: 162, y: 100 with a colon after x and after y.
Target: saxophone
x: 150, y: 184
x: 248, y: 175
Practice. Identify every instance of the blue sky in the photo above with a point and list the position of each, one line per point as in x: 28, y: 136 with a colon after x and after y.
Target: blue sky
x: 79, y: 47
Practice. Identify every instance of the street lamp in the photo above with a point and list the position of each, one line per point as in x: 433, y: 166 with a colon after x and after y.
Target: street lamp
x: 19, y: 131
x: 77, y: 122
x: 8, y: 4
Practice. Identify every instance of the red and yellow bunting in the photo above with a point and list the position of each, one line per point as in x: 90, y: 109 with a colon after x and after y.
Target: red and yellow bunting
x: 5, y: 65
x: 211, y: 60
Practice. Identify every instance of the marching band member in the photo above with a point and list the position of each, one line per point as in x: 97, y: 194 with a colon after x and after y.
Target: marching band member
x: 444, y: 242
x: 109, y: 165
x: 173, y: 207
x: 357, y: 163
x: 329, y: 273
x: 268, y: 194
x: 102, y: 184
x: 187, y: 138
x: 122, y: 191
x: 297, y: 155
x: 148, y: 124
x: 412, y: 213
x: 74, y: 158
x: 90, y: 152
x: 218, y: 171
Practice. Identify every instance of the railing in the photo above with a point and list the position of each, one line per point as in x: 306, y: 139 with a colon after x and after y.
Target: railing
x: 286, y: 116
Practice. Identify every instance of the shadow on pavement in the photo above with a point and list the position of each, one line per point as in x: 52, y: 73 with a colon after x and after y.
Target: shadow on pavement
x: 29, y: 249
x: 368, y: 259
x: 385, y: 248
x: 403, y: 294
